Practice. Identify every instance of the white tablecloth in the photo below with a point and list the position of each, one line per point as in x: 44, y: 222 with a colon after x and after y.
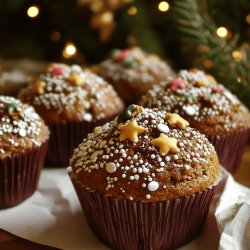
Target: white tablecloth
x: 53, y: 216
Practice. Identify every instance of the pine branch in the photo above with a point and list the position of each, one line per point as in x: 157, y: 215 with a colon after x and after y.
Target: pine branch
x: 196, y: 26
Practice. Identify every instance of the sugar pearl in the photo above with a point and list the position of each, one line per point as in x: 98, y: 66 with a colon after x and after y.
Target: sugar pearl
x: 153, y: 186
x: 22, y: 132
x: 87, y: 117
x: 136, y: 176
x: 163, y: 128
x: 167, y: 158
x: 189, y: 110
x: 111, y: 167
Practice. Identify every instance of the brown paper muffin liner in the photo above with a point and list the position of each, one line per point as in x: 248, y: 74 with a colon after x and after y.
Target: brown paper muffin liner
x: 133, y: 225
x: 230, y: 148
x: 19, y: 175
x: 65, y: 137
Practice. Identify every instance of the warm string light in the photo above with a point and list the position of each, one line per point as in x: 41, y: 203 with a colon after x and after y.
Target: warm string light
x: 33, y: 11
x: 237, y: 55
x: 163, y: 6
x: 55, y: 36
x: 248, y: 18
x: 103, y: 12
x: 239, y: 79
x: 207, y: 64
x: 69, y: 50
x: 222, y: 32
x: 132, y: 10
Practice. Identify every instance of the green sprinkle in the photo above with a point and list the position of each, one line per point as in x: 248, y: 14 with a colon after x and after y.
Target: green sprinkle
x: 126, y: 114
x: 115, y: 52
x: 12, y: 107
x: 128, y: 63
x: 189, y: 95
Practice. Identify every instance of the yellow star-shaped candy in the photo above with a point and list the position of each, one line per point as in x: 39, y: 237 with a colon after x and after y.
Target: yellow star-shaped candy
x: 201, y: 83
x: 211, y: 79
x: 38, y: 87
x: 176, y: 120
x: 130, y: 131
x: 76, y: 79
x: 165, y: 144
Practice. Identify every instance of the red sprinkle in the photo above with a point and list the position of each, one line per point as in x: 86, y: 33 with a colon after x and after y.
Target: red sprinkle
x: 177, y: 84
x: 56, y: 71
x: 121, y: 57
x: 218, y: 88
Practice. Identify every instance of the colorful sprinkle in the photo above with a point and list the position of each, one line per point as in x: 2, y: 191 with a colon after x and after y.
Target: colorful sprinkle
x: 177, y: 84
x: 126, y: 114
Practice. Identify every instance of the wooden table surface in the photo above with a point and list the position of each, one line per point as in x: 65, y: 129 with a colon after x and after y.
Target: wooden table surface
x: 11, y: 242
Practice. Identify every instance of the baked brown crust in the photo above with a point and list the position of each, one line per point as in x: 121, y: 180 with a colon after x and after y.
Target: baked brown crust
x: 68, y: 93
x: 158, y: 161
x: 21, y: 128
x: 133, y: 72
x: 205, y: 104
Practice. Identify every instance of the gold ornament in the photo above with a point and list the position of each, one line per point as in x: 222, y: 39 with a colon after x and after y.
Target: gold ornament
x: 103, y: 15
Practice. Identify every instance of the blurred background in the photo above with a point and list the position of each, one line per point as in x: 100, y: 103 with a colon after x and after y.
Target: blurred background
x: 212, y: 35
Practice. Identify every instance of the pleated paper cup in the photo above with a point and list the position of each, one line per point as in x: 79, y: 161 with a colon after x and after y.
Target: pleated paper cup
x: 19, y: 175
x: 65, y: 137
x: 230, y: 148
x: 125, y: 224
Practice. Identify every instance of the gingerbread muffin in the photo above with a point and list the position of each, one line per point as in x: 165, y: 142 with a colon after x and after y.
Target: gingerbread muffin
x: 145, y: 180
x: 208, y: 107
x: 72, y: 102
x: 23, y: 144
x: 133, y: 72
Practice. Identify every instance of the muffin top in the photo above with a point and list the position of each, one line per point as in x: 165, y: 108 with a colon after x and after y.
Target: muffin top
x: 69, y: 93
x: 135, y: 68
x: 21, y: 128
x: 207, y: 105
x: 146, y: 155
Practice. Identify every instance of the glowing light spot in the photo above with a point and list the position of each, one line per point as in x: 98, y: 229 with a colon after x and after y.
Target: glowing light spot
x: 207, y: 63
x: 237, y: 55
x: 163, y: 6
x: 248, y: 18
x: 239, y: 79
x: 222, y: 32
x: 132, y: 10
x: 55, y: 36
x: 33, y: 11
x: 69, y: 50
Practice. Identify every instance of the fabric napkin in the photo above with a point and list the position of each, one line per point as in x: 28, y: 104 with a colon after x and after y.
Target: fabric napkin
x: 53, y: 216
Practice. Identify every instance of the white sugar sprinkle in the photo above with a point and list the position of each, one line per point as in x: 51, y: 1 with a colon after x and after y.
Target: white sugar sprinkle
x: 22, y: 132
x: 190, y: 110
x: 163, y: 128
x: 153, y: 186
x: 111, y: 167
